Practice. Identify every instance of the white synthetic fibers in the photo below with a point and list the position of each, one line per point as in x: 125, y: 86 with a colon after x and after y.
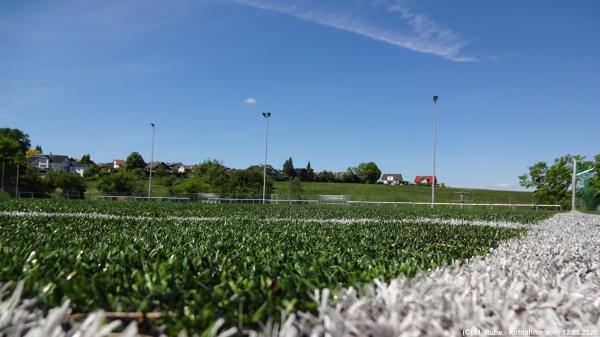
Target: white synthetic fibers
x: 342, y: 221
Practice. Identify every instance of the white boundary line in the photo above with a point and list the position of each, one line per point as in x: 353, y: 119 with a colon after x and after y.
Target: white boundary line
x: 346, y: 221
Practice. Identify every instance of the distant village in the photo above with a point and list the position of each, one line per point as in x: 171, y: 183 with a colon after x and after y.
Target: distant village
x: 44, y: 163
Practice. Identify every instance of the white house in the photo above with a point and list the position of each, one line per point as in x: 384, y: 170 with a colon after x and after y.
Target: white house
x: 180, y: 168
x: 59, y: 163
x: 118, y: 163
x: 78, y: 168
x: 39, y: 162
x: 49, y: 162
x: 391, y: 179
x: 56, y: 163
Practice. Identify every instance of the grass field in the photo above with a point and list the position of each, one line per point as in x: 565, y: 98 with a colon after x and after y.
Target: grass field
x: 378, y: 192
x: 245, y: 265
x: 381, y: 192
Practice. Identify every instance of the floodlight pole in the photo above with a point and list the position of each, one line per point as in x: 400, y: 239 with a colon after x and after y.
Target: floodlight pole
x: 266, y: 115
x: 151, y: 163
x: 574, y: 184
x: 435, y: 99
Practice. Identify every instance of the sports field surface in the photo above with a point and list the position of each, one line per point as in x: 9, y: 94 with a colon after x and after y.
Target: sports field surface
x: 189, y: 265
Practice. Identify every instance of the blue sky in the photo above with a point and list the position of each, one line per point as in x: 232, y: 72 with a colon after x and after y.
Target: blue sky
x: 347, y: 81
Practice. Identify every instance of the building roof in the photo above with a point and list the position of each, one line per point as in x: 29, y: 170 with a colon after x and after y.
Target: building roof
x: 57, y: 158
x: 119, y: 162
x: 395, y: 176
x: 156, y: 164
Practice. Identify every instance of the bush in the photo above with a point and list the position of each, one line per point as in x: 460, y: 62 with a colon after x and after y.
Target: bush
x: 121, y: 182
x: 68, y: 183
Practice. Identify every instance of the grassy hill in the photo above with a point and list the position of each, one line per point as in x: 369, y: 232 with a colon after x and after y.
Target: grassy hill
x: 407, y: 193
x: 372, y: 192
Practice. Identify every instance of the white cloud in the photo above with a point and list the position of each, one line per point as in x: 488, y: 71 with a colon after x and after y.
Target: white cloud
x: 389, y: 21
x: 250, y: 101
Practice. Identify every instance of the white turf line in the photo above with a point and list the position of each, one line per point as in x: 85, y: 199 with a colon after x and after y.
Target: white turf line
x: 545, y: 283
x: 349, y: 221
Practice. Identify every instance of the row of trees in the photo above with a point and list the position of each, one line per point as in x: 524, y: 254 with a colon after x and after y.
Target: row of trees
x: 364, y: 173
x: 210, y: 176
x: 552, y: 182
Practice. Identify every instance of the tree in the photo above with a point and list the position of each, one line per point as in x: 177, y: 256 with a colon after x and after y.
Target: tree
x: 212, y: 173
x: 326, y: 176
x: 551, y: 183
x: 296, y: 190
x: 192, y: 185
x: 10, y: 151
x: 19, y: 136
x: 72, y: 184
x: 248, y: 182
x: 134, y: 161
x: 368, y: 172
x: 288, y: 168
x: 32, y: 152
x: 31, y: 181
x: 310, y: 173
x: 86, y: 159
x: 119, y: 182
x: 350, y: 176
x: 595, y: 180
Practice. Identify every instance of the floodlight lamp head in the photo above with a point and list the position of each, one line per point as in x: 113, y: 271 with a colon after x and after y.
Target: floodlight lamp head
x: 266, y: 114
x: 152, y: 124
x: 435, y: 99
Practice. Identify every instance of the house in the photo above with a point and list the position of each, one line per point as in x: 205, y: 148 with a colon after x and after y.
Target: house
x: 391, y: 179
x: 118, y: 163
x: 76, y: 167
x: 425, y: 180
x: 157, y: 167
x: 49, y: 162
x: 39, y: 162
x: 180, y: 168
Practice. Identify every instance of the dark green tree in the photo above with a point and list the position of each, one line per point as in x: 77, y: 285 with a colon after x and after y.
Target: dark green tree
x: 350, y: 176
x: 31, y: 181
x: 192, y: 185
x: 248, y: 183
x: 86, y: 159
x: 122, y: 182
x: 288, y: 168
x: 134, y: 161
x: 595, y: 180
x: 10, y: 151
x: 310, y: 173
x: 551, y: 183
x: 368, y: 172
x: 72, y: 184
x: 326, y: 176
x: 17, y: 135
x: 212, y: 173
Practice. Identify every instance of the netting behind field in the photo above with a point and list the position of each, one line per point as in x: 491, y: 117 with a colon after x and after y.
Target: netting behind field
x: 591, y: 199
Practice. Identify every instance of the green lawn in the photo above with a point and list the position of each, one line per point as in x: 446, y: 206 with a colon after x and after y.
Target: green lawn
x: 371, y: 192
x: 407, y: 193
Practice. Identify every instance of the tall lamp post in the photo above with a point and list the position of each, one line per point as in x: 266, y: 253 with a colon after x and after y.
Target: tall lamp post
x: 574, y: 184
x: 266, y: 115
x: 435, y: 99
x: 151, y: 163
